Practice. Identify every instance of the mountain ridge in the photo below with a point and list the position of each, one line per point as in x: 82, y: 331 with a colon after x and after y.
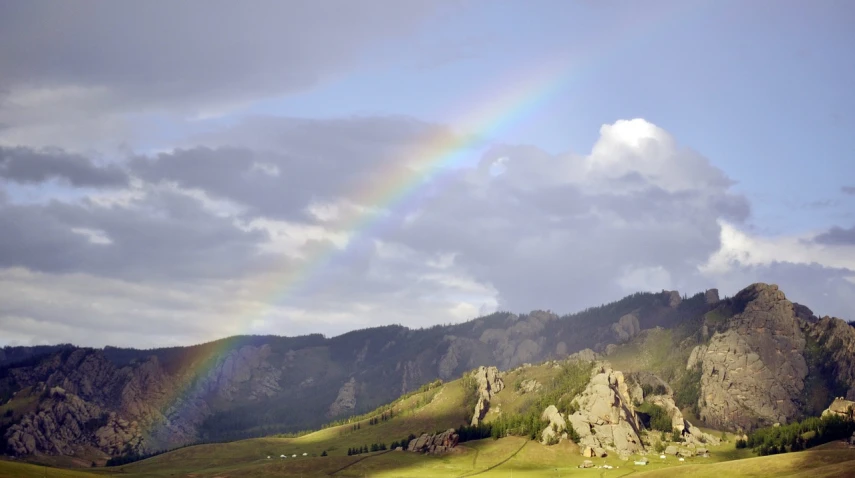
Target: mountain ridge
x: 117, y: 401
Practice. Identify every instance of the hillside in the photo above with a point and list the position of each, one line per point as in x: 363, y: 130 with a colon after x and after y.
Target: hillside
x: 100, y: 403
x: 438, y: 406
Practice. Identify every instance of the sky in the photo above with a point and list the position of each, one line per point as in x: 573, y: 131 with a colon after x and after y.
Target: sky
x: 177, y: 172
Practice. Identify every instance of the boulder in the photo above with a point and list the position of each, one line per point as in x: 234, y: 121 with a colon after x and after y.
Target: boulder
x: 529, y: 386
x: 435, y: 443
x: 670, y: 450
x: 840, y: 407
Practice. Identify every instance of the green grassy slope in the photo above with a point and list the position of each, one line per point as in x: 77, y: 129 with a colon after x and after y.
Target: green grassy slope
x: 432, y: 410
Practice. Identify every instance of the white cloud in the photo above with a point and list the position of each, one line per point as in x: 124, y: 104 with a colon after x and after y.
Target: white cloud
x: 95, y: 236
x: 739, y: 248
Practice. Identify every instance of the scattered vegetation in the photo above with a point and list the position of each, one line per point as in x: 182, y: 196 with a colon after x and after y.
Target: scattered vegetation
x: 569, y: 382
x: 657, y: 389
x: 687, y: 390
x: 799, y: 436
x: 659, y: 419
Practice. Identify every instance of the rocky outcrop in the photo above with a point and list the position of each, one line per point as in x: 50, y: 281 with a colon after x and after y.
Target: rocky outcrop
x: 626, y: 327
x: 584, y: 355
x: 754, y: 371
x: 489, y: 382
x: 690, y: 433
x: 606, y: 420
x: 840, y: 407
x: 556, y: 425
x: 711, y: 296
x: 435, y: 443
x: 837, y: 339
x: 59, y: 427
x: 345, y: 402
x: 118, y: 435
x: 696, y: 356
x: 530, y: 386
x: 674, y: 298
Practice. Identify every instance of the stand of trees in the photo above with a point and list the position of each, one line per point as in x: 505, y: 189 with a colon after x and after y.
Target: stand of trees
x: 799, y: 435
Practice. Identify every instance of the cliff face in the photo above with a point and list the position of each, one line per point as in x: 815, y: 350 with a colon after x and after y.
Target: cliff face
x: 758, y: 368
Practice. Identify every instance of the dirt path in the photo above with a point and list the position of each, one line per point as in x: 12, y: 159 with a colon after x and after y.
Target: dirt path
x: 497, y: 464
x: 356, y: 461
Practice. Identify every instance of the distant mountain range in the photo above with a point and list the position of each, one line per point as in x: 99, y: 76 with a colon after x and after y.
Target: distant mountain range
x: 735, y: 363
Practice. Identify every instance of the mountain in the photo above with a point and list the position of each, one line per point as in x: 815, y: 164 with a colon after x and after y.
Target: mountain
x: 737, y: 363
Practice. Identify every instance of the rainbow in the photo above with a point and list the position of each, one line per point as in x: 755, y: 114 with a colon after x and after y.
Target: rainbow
x: 397, y: 189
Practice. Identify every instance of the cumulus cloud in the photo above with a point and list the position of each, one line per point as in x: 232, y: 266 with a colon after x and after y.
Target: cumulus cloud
x: 256, y: 233
x: 812, y: 270
x: 566, y: 231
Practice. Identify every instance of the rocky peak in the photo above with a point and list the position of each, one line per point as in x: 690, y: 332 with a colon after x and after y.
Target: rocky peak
x: 711, y: 296
x: 754, y: 370
x: 673, y: 298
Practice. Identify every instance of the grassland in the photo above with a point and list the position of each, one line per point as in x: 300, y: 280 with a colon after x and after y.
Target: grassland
x: 430, y: 411
x: 507, y: 457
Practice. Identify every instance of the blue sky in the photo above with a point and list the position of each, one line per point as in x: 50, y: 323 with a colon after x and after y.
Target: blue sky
x: 761, y: 88
x: 282, y: 110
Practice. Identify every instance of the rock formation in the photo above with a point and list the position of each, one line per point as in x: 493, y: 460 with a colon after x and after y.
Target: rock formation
x: 489, y: 383
x: 754, y: 371
x: 530, y: 386
x: 345, y: 402
x: 606, y: 420
x: 556, y: 424
x: 626, y: 327
x: 838, y: 339
x: 435, y: 443
x: 690, y: 433
x: 711, y: 296
x: 840, y: 407
x: 57, y: 427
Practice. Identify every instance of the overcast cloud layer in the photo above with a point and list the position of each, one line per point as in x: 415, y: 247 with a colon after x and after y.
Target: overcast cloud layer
x: 270, y: 223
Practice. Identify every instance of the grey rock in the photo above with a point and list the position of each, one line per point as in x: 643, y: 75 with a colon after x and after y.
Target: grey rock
x: 754, y: 371
x: 435, y: 443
